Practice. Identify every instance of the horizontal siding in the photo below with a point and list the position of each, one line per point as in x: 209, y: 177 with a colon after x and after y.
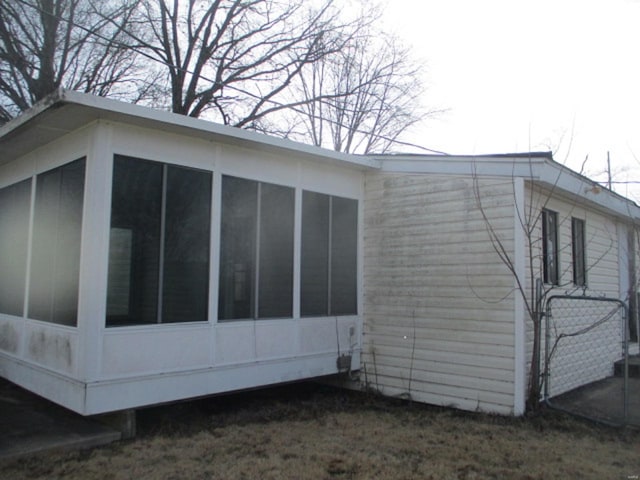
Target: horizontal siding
x: 438, y: 302
x: 602, y: 278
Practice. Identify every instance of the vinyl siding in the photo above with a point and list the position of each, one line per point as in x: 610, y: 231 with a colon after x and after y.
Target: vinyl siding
x: 591, y: 355
x: 438, y: 302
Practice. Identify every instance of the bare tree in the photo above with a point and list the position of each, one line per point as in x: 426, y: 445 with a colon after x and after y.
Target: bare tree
x: 530, y: 285
x: 233, y: 59
x: 48, y: 44
x: 363, y: 97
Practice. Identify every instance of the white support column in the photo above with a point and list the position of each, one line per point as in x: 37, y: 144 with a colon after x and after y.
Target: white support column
x: 94, y: 261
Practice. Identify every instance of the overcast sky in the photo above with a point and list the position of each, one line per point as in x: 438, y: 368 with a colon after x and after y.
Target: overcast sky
x: 520, y: 75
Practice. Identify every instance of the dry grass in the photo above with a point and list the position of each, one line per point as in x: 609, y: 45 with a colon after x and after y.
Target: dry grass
x: 313, y: 432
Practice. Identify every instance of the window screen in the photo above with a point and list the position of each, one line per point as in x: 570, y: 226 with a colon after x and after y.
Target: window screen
x: 256, y: 250
x: 55, y: 260
x: 15, y: 201
x: 329, y: 255
x: 159, y: 243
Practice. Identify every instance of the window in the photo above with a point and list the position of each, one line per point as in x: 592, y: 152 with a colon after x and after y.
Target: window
x: 159, y: 243
x: 15, y: 201
x: 329, y: 255
x: 578, y: 252
x: 256, y: 250
x: 55, y: 257
x: 550, y: 247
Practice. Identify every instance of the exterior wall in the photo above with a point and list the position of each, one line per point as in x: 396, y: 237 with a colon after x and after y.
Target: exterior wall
x: 603, y: 279
x: 438, y: 302
x: 93, y: 369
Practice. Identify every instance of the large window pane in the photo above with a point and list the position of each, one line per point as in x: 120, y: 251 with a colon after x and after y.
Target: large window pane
x: 329, y: 255
x: 344, y: 252
x: 134, y: 248
x: 238, y: 249
x: 275, y: 298
x: 55, y: 262
x: 256, y: 244
x: 159, y: 242
x: 314, y: 275
x: 185, y: 292
x: 14, y: 236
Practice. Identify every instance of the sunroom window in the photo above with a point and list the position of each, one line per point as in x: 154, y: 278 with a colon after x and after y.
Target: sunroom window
x: 55, y: 251
x: 256, y: 250
x: 159, y: 243
x: 15, y: 201
x: 329, y: 255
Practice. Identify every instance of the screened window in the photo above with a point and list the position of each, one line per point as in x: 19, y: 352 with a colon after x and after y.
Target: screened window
x: 256, y: 250
x: 159, y: 243
x: 578, y: 252
x: 15, y: 201
x: 550, y: 247
x: 329, y: 255
x: 55, y: 258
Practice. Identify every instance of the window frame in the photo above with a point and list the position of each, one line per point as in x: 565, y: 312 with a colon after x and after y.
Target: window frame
x: 334, y: 305
x: 255, y: 279
x: 162, y: 289
x: 550, y: 260
x: 579, y: 252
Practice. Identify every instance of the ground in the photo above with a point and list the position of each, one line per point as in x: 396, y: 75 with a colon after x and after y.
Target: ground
x: 307, y: 431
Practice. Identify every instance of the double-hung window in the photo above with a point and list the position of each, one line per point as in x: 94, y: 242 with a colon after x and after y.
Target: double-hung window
x: 550, y: 247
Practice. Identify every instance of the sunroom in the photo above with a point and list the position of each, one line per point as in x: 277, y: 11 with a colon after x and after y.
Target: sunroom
x: 147, y: 257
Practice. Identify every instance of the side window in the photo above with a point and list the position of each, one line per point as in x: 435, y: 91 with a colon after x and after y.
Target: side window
x: 256, y: 250
x: 578, y: 252
x: 159, y: 243
x: 329, y: 255
x: 55, y: 258
x: 550, y: 247
x: 15, y: 201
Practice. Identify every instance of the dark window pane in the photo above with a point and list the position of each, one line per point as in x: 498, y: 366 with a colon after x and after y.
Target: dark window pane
x: 550, y: 247
x: 275, y: 294
x: 185, y: 293
x: 578, y: 252
x: 344, y: 248
x: 57, y: 229
x: 134, y: 249
x: 14, y: 237
x: 314, y: 274
x: 237, y: 248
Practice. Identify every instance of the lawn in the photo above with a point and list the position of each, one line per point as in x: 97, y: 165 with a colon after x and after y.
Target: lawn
x: 307, y: 431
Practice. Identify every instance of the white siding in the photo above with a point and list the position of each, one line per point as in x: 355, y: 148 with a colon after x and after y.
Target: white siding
x: 438, y: 302
x: 592, y: 356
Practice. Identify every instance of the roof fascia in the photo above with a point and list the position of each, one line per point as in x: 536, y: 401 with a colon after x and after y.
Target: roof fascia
x: 65, y: 102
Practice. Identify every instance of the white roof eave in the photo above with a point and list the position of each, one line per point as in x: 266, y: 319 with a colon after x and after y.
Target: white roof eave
x: 65, y: 111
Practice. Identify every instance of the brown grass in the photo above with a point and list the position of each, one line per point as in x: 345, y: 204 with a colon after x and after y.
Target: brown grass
x: 315, y: 432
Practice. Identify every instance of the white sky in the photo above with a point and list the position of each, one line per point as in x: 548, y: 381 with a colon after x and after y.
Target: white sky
x: 520, y: 75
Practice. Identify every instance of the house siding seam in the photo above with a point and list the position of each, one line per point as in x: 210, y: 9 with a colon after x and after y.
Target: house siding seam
x: 438, y: 302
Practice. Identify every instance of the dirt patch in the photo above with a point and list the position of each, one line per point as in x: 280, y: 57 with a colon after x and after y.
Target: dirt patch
x: 315, y: 432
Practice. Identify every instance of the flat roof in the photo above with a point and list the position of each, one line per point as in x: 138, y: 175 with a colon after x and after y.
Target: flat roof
x: 65, y: 111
